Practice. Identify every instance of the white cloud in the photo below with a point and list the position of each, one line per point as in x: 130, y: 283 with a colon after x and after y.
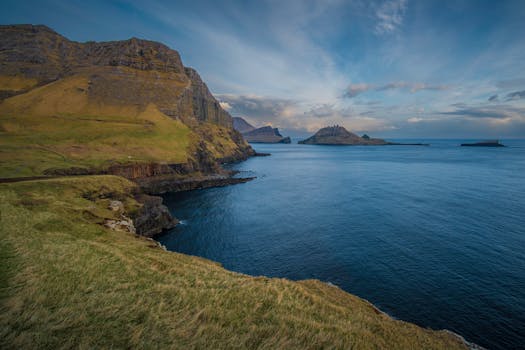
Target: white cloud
x: 390, y: 16
x: 412, y: 86
x: 356, y: 89
x: 225, y: 105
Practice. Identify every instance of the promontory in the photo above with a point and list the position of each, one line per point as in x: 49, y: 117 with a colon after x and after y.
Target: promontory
x: 89, y: 133
x: 265, y: 134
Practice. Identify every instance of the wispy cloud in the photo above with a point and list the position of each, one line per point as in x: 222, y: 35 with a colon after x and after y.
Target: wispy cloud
x: 323, y: 111
x: 290, y: 63
x: 516, y: 95
x: 259, y: 109
x: 355, y: 89
x: 511, y: 83
x: 501, y: 111
x: 412, y: 87
x: 390, y: 16
x: 493, y: 98
x: 297, y: 115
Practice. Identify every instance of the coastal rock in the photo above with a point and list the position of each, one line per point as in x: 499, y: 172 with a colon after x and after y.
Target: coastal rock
x: 338, y: 135
x: 286, y: 139
x: 265, y: 134
x: 242, y: 125
x: 153, y: 217
x: 125, y: 224
x: 117, y: 206
x: 164, y: 184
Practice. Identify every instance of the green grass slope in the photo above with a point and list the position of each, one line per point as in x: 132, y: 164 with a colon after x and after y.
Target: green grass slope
x: 57, y: 126
x: 67, y: 281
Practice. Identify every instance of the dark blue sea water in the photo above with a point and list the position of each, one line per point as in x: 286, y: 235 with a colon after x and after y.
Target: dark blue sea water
x: 433, y: 235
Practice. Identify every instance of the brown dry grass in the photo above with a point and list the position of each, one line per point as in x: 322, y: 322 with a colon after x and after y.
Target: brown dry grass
x: 16, y: 83
x: 68, y: 282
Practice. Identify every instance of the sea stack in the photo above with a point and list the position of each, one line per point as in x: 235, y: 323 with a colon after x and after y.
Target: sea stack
x: 338, y: 135
x: 265, y: 134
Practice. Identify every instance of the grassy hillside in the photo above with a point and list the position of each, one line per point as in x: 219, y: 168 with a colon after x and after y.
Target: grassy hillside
x: 66, y: 104
x: 66, y: 281
x: 60, y: 125
x: 57, y: 126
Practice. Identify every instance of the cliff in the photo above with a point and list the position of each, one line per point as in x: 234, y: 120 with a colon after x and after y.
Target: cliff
x: 338, y: 135
x: 242, y: 125
x: 91, y: 106
x: 265, y: 134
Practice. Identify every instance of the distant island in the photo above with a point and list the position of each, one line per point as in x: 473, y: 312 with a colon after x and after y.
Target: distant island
x: 488, y: 143
x: 338, y: 135
x: 265, y: 134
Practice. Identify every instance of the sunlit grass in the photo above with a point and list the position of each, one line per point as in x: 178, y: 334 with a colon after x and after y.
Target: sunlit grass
x: 58, y: 126
x: 68, y: 282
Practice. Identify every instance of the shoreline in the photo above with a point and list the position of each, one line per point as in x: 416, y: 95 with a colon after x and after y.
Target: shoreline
x: 470, y: 345
x: 112, y: 193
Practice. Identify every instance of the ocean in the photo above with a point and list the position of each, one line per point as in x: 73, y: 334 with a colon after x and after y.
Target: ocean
x: 432, y: 235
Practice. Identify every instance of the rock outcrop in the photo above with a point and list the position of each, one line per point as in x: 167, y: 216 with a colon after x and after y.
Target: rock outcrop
x: 133, y: 71
x: 338, y: 135
x: 153, y: 217
x: 241, y: 125
x: 265, y: 134
x: 125, y: 79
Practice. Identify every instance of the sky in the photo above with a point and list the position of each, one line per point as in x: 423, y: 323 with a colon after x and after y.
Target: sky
x: 392, y: 68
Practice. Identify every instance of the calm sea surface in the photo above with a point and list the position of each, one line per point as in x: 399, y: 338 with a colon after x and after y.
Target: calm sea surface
x: 433, y: 235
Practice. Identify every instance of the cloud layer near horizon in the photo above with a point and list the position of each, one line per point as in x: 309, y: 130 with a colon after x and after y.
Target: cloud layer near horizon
x: 390, y: 68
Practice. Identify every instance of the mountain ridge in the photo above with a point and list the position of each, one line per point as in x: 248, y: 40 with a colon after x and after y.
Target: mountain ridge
x: 264, y: 134
x: 101, y: 85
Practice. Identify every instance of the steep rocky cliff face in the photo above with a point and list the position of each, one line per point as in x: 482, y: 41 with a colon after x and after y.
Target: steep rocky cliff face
x: 242, y: 125
x: 265, y: 134
x: 155, y: 75
x: 119, y: 84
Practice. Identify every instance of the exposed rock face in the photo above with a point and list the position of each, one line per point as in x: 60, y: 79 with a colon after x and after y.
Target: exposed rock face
x: 337, y: 135
x: 165, y: 184
x: 265, y: 134
x: 123, y: 223
x: 205, y: 106
x: 153, y: 217
x: 242, y: 125
x: 128, y: 76
x: 135, y: 71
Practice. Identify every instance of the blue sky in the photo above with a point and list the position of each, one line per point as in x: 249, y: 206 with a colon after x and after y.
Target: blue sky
x: 394, y: 68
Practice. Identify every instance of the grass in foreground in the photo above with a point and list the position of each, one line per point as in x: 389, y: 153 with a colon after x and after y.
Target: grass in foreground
x: 68, y: 282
